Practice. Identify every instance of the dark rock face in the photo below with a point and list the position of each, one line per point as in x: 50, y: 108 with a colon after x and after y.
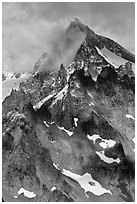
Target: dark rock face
x: 64, y: 120
x: 3, y: 77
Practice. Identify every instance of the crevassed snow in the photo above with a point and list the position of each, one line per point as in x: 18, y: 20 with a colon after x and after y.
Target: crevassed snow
x: 87, y: 183
x: 75, y: 121
x: 107, y: 159
x: 53, y: 188
x: 67, y: 131
x: 111, y: 58
x: 26, y: 193
x: 94, y: 137
x: 40, y: 103
x: 130, y: 116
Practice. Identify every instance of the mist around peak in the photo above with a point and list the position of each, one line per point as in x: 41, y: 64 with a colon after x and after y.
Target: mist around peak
x: 62, y: 48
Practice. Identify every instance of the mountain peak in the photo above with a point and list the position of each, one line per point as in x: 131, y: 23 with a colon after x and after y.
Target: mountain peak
x: 77, y: 24
x: 77, y: 20
x: 52, y: 120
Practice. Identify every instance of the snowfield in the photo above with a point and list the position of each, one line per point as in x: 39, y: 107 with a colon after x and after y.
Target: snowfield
x: 111, y: 58
x: 87, y: 183
x: 12, y: 83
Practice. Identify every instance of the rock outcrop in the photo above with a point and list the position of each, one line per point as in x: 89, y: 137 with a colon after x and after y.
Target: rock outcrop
x: 64, y: 127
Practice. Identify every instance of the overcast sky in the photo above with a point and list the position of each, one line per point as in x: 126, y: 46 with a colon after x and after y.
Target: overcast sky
x: 28, y: 27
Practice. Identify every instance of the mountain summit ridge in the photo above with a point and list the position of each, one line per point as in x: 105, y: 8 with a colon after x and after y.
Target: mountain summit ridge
x: 100, y: 38
x: 76, y: 27
x: 73, y: 123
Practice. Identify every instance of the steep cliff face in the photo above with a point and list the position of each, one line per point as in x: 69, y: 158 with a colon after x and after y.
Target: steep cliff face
x: 68, y: 134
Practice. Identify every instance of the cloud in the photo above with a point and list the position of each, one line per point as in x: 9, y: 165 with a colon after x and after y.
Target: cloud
x: 30, y: 28
x: 62, y: 48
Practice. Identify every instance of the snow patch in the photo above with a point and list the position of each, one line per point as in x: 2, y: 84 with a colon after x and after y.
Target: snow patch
x: 82, y: 64
x: 87, y: 183
x: 104, y: 142
x: 26, y: 193
x: 90, y: 95
x: 107, y: 159
x: 133, y: 140
x: 130, y: 116
x: 91, y: 104
x: 75, y: 121
x: 108, y: 59
x: 67, y: 131
x: 111, y: 58
x: 23, y: 75
x: 107, y: 143
x: 52, y: 141
x: 12, y: 83
x: 40, y: 103
x: 46, y: 124
x: 94, y: 137
x: 70, y: 71
x: 57, y: 166
x: 77, y: 85
x: 53, y: 188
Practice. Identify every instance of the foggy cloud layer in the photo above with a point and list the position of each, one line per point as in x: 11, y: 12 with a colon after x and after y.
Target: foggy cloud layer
x: 31, y: 29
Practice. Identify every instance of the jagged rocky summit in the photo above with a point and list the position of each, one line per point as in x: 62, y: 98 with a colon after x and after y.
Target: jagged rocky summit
x: 68, y: 135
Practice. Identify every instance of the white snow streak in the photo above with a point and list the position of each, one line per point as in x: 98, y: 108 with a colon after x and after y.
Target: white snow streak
x: 90, y: 95
x: 130, y: 116
x: 133, y: 140
x: 67, y: 131
x: 26, y: 193
x: 75, y: 121
x: 107, y: 159
x: 40, y: 103
x: 56, y: 166
x: 61, y: 94
x: 91, y: 104
x: 104, y: 142
x: 46, y: 123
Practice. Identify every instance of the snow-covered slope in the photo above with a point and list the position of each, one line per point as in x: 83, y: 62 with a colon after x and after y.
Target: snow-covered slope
x: 11, y: 82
